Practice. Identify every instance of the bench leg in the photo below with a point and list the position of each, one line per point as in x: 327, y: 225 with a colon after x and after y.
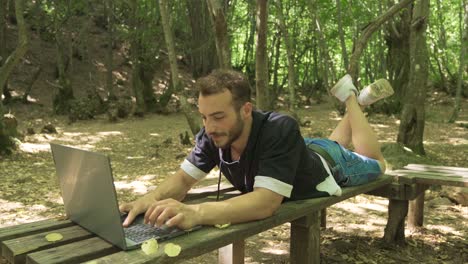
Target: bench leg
x: 323, y: 218
x: 416, y: 212
x: 232, y: 254
x: 305, y: 239
x: 395, y: 229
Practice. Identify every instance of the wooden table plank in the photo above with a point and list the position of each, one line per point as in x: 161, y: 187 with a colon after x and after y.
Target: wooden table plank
x: 451, y: 170
x: 80, y: 251
x: 15, y: 250
x: 431, y: 178
x: 10, y: 232
x: 210, y: 238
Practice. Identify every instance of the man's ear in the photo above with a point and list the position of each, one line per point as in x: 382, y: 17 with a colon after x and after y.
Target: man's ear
x: 247, y: 109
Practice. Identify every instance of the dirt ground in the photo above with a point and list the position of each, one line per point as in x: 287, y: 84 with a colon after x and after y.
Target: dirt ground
x: 146, y: 150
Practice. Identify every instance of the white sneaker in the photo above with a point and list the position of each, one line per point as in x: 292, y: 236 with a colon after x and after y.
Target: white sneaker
x: 375, y: 91
x: 344, y: 88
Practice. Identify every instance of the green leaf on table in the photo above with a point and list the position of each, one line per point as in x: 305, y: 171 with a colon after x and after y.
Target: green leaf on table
x: 52, y: 237
x: 150, y: 246
x: 221, y: 226
x: 172, y: 250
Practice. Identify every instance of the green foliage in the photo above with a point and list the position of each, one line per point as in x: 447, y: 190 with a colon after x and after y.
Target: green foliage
x: 86, y: 108
x: 398, y: 156
x: 138, y: 28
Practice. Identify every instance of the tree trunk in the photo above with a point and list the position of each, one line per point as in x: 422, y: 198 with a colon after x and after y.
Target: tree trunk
x: 168, y: 36
x: 322, y: 71
x: 463, y: 47
x: 361, y: 42
x: 397, y: 39
x: 21, y: 48
x: 64, y: 93
x: 3, y: 47
x: 28, y: 89
x: 341, y: 34
x: 221, y: 33
x: 249, y: 45
x: 136, y: 51
x: 109, y: 54
x: 11, y: 11
x: 275, y: 68
x: 5, y: 141
x: 202, y: 57
x: 261, y: 57
x: 290, y: 57
x: 395, y: 229
x: 412, y: 118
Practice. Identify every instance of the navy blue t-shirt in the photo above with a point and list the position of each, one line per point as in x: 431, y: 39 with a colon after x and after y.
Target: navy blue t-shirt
x: 276, y: 158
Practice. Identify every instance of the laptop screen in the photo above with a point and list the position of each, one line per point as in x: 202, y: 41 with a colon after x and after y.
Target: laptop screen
x: 88, y: 192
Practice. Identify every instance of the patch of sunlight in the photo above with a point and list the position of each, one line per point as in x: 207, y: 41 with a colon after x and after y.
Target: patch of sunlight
x: 274, y: 251
x: 444, y: 229
x: 147, y: 177
x: 458, y: 141
x: 155, y: 134
x: 137, y: 186
x: 38, y: 207
x: 374, y: 207
x: 380, y: 125
x: 110, y: 133
x: 32, y: 99
x: 454, y: 141
x: 213, y: 174
x: 134, y: 158
x: 73, y: 134
x: 7, y: 205
x: 34, y: 147
x: 350, y: 207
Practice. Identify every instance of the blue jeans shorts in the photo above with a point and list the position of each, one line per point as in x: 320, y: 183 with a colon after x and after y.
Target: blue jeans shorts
x: 351, y: 168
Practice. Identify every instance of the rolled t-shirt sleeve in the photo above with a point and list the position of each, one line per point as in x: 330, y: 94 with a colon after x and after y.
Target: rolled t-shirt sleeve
x: 202, y: 158
x: 281, y: 147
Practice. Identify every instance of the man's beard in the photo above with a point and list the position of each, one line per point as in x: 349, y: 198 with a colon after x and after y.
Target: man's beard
x: 233, y: 134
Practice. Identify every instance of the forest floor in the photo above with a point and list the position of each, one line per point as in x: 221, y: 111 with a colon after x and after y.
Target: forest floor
x: 144, y: 151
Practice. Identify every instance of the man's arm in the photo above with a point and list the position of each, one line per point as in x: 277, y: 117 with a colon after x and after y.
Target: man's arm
x: 175, y: 187
x: 259, y: 204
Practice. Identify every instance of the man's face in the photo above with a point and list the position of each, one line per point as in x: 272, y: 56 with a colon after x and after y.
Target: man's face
x: 223, y: 123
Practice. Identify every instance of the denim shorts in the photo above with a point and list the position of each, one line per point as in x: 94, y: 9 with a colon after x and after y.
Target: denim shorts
x: 351, y: 168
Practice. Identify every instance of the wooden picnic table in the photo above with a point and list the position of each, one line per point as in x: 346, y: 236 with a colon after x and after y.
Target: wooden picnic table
x: 27, y: 244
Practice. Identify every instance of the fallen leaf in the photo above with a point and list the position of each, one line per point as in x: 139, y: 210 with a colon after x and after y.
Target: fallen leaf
x: 172, y: 250
x: 150, y: 246
x: 52, y: 237
x: 222, y: 225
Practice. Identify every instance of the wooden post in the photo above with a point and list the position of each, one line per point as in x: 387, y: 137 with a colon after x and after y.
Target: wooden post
x: 305, y: 239
x: 395, y: 229
x: 416, y: 212
x: 323, y: 218
x: 232, y: 254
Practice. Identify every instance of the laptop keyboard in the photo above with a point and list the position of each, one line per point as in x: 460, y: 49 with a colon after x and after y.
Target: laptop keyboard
x: 141, y: 232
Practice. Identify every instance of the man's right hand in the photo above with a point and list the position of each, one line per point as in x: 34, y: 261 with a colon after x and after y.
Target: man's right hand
x: 135, y: 208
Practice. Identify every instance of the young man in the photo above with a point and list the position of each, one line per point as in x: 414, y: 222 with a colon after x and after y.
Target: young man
x: 263, y: 155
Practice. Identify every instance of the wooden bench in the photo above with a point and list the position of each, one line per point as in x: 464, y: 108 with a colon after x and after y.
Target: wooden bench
x: 26, y: 244
x: 406, y: 195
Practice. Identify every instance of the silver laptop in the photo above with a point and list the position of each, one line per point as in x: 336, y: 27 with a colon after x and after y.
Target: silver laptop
x: 90, y: 199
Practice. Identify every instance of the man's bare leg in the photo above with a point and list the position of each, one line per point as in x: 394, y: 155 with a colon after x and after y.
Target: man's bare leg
x: 362, y: 135
x: 342, y: 132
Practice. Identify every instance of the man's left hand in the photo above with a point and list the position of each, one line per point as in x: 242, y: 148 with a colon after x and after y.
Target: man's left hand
x: 172, y: 213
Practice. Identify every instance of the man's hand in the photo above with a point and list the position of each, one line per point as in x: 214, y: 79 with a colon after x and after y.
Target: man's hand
x: 135, y: 208
x: 172, y: 213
